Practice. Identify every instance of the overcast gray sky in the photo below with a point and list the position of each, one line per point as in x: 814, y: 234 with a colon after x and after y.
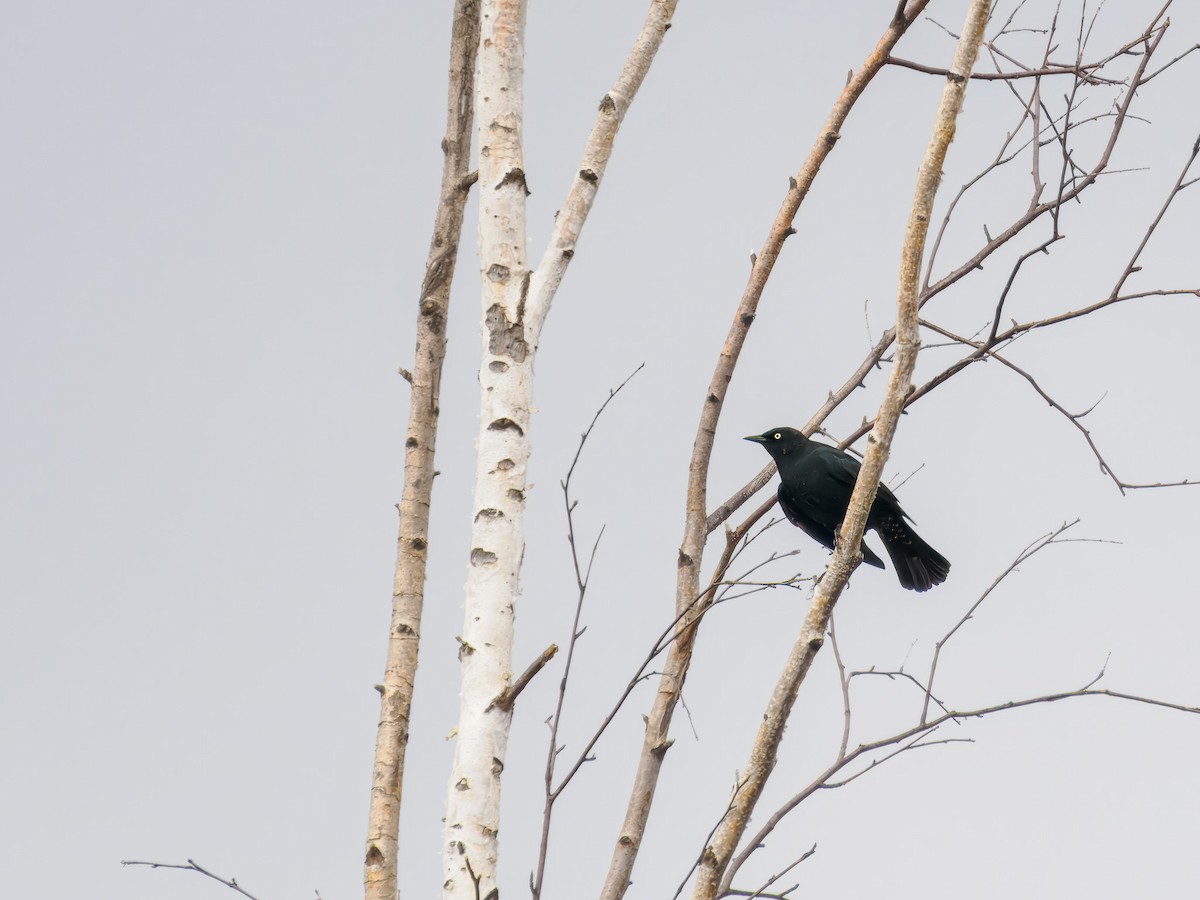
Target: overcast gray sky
x: 215, y: 217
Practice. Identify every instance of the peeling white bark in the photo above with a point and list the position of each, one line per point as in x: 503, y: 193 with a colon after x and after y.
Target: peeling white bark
x: 515, y: 305
x: 497, y: 540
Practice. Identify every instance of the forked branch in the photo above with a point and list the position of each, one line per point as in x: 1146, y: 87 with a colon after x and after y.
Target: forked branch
x: 1072, y: 185
x: 193, y: 867
x: 914, y: 738
x: 688, y: 609
x: 713, y: 877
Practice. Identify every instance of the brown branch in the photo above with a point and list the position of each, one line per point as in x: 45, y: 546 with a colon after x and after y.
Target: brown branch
x: 597, y: 152
x: 582, y: 577
x: 1043, y: 247
x: 903, y: 676
x: 916, y: 743
x: 1018, y: 329
x: 983, y: 351
x: 508, y: 697
x: 714, y: 877
x: 1180, y: 184
x: 736, y: 540
x: 1071, y: 182
x: 412, y: 542
x: 1151, y: 38
x: 783, y: 895
x: 1188, y: 52
x: 691, y: 550
x: 825, y: 779
x: 192, y: 867
x: 1082, y: 73
x: 476, y: 880
x: 1041, y: 543
x: 844, y: 682
x: 700, y: 859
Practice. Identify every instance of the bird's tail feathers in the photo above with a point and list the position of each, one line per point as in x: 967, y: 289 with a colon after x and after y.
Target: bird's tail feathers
x: 918, y: 566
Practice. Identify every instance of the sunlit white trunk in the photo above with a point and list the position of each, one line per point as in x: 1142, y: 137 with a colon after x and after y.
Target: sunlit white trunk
x: 497, y: 537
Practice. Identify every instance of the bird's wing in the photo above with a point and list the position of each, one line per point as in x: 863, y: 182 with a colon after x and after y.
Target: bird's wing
x: 886, y: 499
x: 841, y: 466
x: 818, y: 532
x: 814, y: 529
x: 844, y: 468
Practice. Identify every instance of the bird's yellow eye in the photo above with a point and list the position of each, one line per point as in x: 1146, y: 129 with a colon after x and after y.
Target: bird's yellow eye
x: 778, y: 435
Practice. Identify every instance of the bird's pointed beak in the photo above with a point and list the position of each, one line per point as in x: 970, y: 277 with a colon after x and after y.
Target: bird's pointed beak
x: 757, y: 438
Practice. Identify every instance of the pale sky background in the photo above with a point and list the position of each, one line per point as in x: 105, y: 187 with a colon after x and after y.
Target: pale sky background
x: 215, y: 217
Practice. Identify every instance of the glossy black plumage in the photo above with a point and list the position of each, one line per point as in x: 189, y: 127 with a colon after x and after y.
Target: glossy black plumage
x: 815, y: 484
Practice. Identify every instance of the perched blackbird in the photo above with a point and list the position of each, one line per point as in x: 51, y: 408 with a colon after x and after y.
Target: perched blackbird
x: 815, y: 484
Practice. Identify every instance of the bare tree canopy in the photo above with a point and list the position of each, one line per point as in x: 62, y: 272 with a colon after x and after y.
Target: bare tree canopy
x: 264, y: 261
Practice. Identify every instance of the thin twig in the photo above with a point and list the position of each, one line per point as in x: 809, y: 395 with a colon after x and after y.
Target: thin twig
x: 582, y: 576
x: 761, y: 892
x: 1082, y: 73
x: 826, y: 779
x: 844, y: 682
x: 192, y: 867
x: 1072, y: 188
x: 509, y: 695
x: 1031, y: 549
x: 903, y: 676
x: 714, y: 875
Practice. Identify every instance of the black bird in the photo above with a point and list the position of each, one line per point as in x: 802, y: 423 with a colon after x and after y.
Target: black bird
x: 815, y: 484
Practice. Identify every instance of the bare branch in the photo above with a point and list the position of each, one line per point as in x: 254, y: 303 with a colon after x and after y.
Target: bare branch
x: 1188, y: 52
x: 1083, y: 73
x: 1180, y: 184
x: 696, y: 529
x: 509, y: 695
x: 192, y: 867
x: 915, y: 744
x: 582, y: 576
x: 774, y: 878
x: 696, y: 863
x: 903, y: 676
x: 1030, y: 550
x: 844, y: 681
x: 573, y: 213
x: 1073, y: 184
x: 912, y: 737
x: 714, y: 875
x: 983, y: 352
x: 412, y: 541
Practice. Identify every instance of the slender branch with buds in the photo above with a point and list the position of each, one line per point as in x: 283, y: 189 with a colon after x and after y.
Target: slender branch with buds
x: 915, y: 738
x: 691, y: 552
x: 192, y: 866
x: 412, y: 543
x: 847, y: 555
x: 1072, y: 185
x: 583, y: 575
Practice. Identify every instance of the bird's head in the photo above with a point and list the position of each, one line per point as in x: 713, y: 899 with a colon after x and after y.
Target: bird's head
x: 779, y: 442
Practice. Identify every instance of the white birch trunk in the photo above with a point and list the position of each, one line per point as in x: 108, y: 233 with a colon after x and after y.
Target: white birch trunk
x: 497, y: 536
x: 515, y: 305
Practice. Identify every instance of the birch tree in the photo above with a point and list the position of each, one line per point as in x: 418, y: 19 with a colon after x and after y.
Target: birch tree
x: 506, y: 385
x: 515, y: 303
x: 1072, y: 107
x: 412, y: 543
